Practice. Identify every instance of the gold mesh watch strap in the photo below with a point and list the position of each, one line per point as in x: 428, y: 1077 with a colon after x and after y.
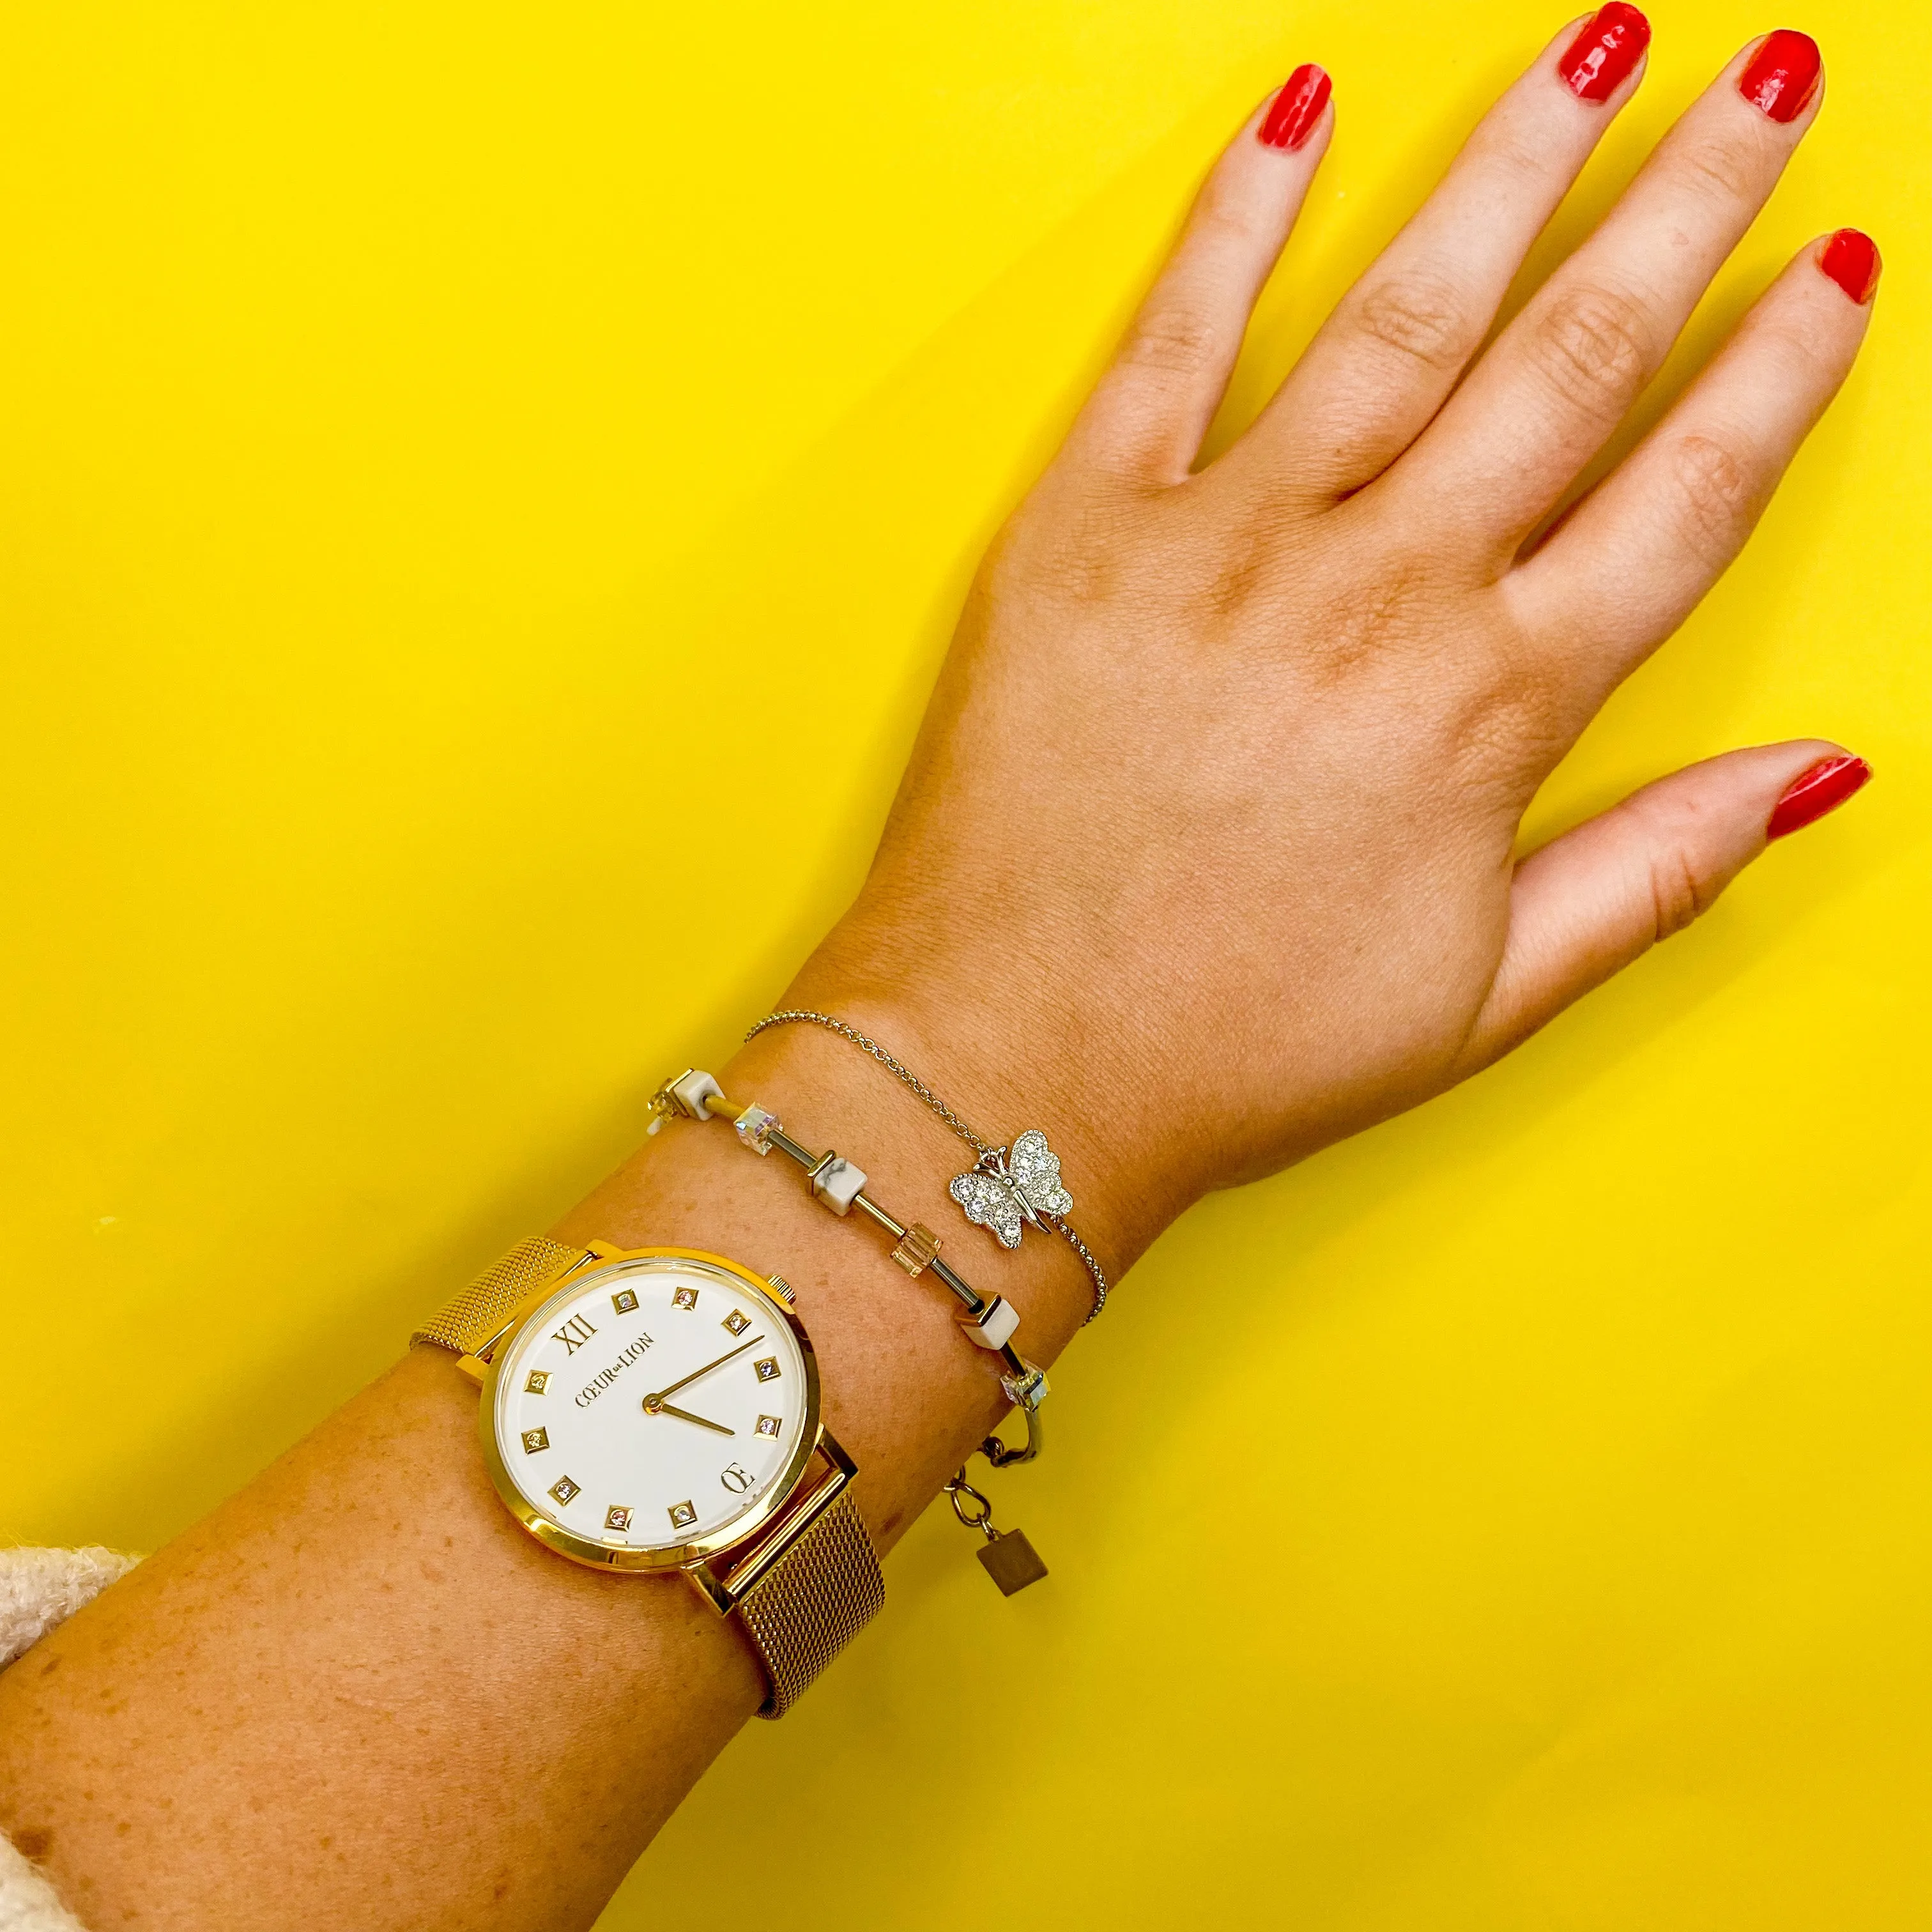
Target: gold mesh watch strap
x: 485, y: 1306
x: 813, y: 1601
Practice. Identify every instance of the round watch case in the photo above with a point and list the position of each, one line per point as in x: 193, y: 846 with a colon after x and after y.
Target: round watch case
x: 696, y: 1266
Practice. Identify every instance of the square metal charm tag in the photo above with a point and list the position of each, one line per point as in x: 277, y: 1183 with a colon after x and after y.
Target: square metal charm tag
x: 1011, y: 1562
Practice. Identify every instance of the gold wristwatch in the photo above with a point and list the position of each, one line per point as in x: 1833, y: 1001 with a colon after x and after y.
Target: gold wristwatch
x: 654, y: 1409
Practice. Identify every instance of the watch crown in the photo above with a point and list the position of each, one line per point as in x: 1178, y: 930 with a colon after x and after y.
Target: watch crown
x: 781, y: 1288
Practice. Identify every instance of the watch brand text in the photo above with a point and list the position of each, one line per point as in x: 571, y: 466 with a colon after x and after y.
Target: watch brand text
x: 604, y: 1378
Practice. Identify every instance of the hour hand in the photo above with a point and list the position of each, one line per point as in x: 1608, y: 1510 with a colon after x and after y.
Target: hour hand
x: 662, y: 1408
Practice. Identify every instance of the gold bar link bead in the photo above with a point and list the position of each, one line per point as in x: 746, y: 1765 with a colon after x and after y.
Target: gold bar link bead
x: 867, y: 1204
x: 918, y: 1250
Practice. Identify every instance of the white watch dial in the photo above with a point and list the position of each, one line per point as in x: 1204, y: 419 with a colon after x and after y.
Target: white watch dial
x: 652, y: 1404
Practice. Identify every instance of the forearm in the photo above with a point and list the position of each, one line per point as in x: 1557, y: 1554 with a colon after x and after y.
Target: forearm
x: 359, y: 1694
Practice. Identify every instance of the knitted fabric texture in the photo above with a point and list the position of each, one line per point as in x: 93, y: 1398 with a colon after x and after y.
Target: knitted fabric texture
x: 27, y: 1901
x: 41, y: 1587
x: 38, y: 1589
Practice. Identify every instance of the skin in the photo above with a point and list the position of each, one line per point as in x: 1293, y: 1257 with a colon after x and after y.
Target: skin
x: 1315, y: 687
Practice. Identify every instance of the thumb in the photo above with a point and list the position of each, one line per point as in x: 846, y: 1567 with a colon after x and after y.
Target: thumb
x: 1586, y: 904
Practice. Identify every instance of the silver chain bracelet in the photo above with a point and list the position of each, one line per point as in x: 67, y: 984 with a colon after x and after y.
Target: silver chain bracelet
x: 1008, y: 1188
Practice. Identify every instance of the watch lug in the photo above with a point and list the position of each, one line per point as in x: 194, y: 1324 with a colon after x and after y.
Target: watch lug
x: 713, y: 1592
x: 828, y: 1447
x: 728, y: 1578
x: 474, y: 1366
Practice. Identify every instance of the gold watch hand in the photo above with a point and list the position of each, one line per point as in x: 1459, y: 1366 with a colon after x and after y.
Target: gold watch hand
x: 659, y: 1395
x: 661, y: 1407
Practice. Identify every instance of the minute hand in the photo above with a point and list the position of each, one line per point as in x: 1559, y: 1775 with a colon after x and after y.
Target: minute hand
x: 659, y: 1395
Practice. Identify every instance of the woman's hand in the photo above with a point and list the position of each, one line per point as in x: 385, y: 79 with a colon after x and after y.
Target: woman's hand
x: 1205, y: 857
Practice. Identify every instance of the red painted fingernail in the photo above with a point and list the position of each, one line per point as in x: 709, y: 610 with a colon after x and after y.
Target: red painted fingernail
x: 1811, y: 794
x: 1782, y: 75
x: 1853, y: 261
x: 1596, y: 63
x: 1292, y: 114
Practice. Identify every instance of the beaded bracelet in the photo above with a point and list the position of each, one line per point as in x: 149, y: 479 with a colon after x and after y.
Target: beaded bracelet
x: 837, y: 1184
x: 1007, y: 1188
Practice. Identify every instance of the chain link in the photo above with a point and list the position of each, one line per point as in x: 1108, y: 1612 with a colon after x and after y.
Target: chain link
x: 801, y: 1015
x: 1087, y: 1255
x: 790, y: 1015
x: 981, y: 1519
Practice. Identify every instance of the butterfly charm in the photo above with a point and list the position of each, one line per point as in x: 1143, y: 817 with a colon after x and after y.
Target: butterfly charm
x: 1009, y: 1187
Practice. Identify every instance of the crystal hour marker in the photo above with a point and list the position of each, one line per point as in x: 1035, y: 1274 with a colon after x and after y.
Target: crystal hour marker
x: 768, y: 1425
x: 683, y: 1516
x: 737, y: 1323
x: 624, y: 1300
x: 535, y: 1439
x: 563, y: 1488
x: 536, y: 1382
x: 767, y: 1368
x: 684, y: 1297
x: 616, y: 1517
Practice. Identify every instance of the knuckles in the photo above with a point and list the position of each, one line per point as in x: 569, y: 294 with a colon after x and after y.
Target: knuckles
x: 1421, y: 317
x: 1176, y: 342
x: 1594, y: 346
x: 1219, y: 574
x: 1507, y: 722
x: 1241, y: 573
x: 1723, y: 172
x: 1679, y: 892
x: 1716, y: 498
x: 1681, y: 871
x: 1388, y: 611
x: 1074, y: 553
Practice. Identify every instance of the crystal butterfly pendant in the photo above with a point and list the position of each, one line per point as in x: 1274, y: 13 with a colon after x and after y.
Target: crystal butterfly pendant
x: 1011, y: 1188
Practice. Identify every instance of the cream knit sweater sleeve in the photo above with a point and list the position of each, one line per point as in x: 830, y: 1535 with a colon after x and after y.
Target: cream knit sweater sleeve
x: 39, y: 1589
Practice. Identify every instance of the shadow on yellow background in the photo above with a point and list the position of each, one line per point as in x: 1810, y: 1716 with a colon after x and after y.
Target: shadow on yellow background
x: 423, y: 427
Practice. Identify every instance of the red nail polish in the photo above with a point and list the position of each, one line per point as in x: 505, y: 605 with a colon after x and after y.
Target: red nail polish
x: 1597, y: 61
x: 1852, y: 260
x: 1295, y: 109
x: 1782, y: 75
x: 1811, y: 794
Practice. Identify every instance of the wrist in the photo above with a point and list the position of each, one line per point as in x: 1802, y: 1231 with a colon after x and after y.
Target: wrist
x: 1007, y: 1045
x: 905, y: 1392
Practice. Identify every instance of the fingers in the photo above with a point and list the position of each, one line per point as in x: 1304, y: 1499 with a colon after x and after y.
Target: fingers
x: 1152, y: 408
x: 1590, y: 902
x: 1625, y: 568
x: 1550, y: 391
x: 1384, y: 360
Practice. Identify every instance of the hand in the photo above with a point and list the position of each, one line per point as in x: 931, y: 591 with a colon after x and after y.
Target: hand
x: 657, y: 1406
x: 1205, y: 856
x: 656, y: 1399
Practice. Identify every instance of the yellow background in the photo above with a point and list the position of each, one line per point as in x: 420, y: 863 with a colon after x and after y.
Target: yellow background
x: 426, y: 425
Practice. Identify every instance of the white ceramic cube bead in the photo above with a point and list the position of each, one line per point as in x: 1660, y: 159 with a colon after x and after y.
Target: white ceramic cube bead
x: 837, y: 1182
x: 692, y: 1091
x: 993, y: 1327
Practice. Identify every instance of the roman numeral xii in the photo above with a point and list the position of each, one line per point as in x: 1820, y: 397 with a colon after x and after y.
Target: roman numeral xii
x: 575, y: 1334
